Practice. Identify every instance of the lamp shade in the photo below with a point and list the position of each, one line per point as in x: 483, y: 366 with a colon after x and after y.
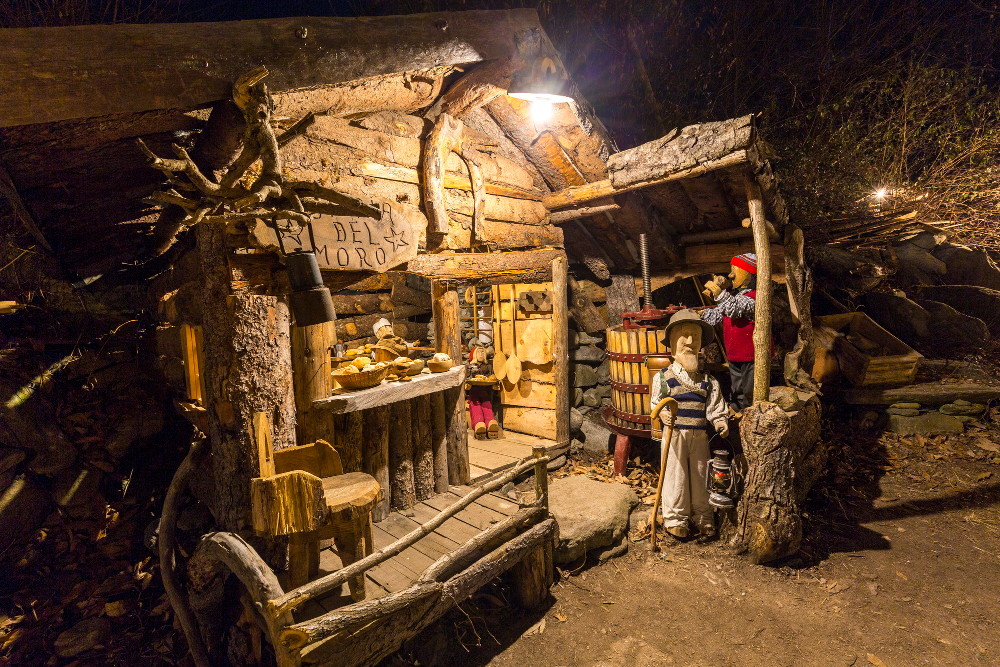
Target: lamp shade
x: 540, y: 81
x: 309, y: 300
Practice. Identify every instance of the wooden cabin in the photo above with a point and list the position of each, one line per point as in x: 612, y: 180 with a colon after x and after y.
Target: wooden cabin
x: 390, y: 148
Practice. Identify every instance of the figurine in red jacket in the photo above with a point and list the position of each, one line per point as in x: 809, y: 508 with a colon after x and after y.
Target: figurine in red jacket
x: 736, y: 308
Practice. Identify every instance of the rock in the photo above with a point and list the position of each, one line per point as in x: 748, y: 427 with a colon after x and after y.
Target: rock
x: 962, y: 401
x: 904, y: 412
x: 587, y: 353
x: 575, y: 420
x: 603, y: 390
x: 590, y: 339
x: 591, y: 514
x: 577, y: 397
x: 87, y: 635
x: 614, y: 551
x: 556, y: 463
x: 575, y: 446
x: 596, y: 436
x: 591, y: 397
x: 980, y: 302
x: 930, y: 423
x: 950, y: 328
x: 903, y: 318
x: 603, y: 373
x: 964, y: 418
x: 967, y: 266
x: 583, y: 376
x: 967, y: 410
x: 907, y: 406
x: 789, y: 399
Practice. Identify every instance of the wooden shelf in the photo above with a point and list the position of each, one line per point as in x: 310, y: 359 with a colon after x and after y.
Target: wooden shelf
x: 392, y: 392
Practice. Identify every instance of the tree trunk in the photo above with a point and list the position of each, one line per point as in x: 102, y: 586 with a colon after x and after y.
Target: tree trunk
x: 423, y: 450
x: 784, y: 458
x: 401, y: 455
x: 248, y: 370
x: 376, y: 455
x: 622, y: 298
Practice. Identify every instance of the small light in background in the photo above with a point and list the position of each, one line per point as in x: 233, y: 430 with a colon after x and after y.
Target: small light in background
x: 541, y: 111
x: 881, y: 193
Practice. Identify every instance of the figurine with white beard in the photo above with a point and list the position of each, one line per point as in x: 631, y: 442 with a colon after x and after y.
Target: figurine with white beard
x: 700, y: 404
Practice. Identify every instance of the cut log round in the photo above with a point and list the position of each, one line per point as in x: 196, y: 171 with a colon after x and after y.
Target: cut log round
x: 784, y: 459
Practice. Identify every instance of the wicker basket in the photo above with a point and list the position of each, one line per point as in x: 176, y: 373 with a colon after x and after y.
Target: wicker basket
x: 440, y: 366
x: 361, y: 379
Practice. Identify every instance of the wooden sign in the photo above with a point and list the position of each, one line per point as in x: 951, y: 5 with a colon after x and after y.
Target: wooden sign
x: 350, y: 242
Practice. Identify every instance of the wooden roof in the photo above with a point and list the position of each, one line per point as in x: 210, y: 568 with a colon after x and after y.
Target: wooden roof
x: 72, y: 112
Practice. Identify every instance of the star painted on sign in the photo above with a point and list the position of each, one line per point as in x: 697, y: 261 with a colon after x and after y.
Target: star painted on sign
x: 395, y: 239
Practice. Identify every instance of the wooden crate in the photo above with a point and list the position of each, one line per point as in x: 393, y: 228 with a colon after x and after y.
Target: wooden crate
x: 899, y: 366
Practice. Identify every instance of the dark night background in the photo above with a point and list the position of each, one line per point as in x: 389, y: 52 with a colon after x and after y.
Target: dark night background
x: 854, y: 95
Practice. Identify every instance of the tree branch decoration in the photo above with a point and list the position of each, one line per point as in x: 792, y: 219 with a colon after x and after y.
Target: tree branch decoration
x: 242, y: 193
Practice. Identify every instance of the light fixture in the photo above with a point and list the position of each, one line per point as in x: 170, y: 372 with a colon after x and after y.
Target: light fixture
x: 540, y: 81
x: 881, y: 193
x: 541, y: 112
x: 310, y: 301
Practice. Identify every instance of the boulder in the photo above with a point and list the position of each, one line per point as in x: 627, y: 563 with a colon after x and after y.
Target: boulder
x: 979, y: 302
x: 930, y: 423
x: 575, y: 420
x: 596, y: 436
x: 583, y: 376
x: 577, y: 397
x: 590, y: 339
x: 906, y: 406
x: 904, y: 412
x: 967, y: 266
x: 603, y: 390
x: 950, y: 328
x: 591, y: 515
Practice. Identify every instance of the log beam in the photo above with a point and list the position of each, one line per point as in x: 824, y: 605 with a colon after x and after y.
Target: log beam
x: 518, y: 264
x: 765, y: 290
x: 97, y: 70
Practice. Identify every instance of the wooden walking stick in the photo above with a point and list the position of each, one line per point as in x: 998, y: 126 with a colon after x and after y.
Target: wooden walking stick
x: 670, y: 404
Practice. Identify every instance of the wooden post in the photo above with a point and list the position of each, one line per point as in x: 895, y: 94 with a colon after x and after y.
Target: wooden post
x: 248, y: 369
x: 560, y: 347
x: 423, y: 449
x: 349, y: 429
x: 458, y: 436
x: 311, y: 374
x: 541, y: 476
x: 401, y: 455
x: 439, y: 435
x: 762, y: 315
x: 376, y: 455
x: 444, y: 304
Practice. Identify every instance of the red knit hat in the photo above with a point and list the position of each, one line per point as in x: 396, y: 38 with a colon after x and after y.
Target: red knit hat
x: 747, y: 261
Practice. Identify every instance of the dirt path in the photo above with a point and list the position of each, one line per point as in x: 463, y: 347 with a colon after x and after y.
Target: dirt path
x: 906, y: 579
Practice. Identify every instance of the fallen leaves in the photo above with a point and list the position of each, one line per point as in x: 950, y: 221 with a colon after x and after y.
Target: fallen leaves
x: 874, y: 659
x: 536, y: 629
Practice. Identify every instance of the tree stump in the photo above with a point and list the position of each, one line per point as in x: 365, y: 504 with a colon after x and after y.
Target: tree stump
x: 784, y: 459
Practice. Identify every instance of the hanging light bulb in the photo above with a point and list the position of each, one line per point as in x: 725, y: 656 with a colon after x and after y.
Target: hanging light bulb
x: 540, y: 81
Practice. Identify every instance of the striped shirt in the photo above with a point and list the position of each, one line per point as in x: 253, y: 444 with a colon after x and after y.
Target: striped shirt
x: 698, y: 396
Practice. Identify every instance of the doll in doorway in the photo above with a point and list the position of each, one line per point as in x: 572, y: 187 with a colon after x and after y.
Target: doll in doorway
x: 700, y: 405
x: 736, y: 297
x: 480, y: 398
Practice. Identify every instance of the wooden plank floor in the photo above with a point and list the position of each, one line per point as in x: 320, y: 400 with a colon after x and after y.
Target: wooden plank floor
x: 488, y: 457
x: 403, y: 569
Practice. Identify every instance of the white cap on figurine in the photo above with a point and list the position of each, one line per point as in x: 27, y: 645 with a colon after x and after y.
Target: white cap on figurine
x: 381, y: 323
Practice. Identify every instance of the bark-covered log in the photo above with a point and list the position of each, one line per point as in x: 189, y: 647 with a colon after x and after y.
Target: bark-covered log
x: 350, y: 439
x: 439, y: 436
x: 248, y: 370
x: 375, y: 455
x: 423, y: 448
x: 401, y: 480
x: 560, y: 346
x: 348, y: 305
x: 784, y: 458
x: 798, y: 362
x: 622, y: 298
x: 458, y: 436
x: 311, y: 374
x: 588, y: 317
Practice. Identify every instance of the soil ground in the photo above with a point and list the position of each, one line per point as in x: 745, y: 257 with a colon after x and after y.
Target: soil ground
x: 900, y: 565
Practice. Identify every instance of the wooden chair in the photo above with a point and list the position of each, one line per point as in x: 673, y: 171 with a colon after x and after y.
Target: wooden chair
x: 304, y: 493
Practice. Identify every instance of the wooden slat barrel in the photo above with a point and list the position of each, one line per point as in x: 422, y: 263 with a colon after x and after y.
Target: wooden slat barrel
x: 627, y: 353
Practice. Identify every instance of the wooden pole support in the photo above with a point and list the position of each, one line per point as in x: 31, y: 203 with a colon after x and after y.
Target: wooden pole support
x: 560, y: 346
x: 376, y: 455
x: 541, y: 475
x: 439, y: 433
x: 312, y: 380
x: 765, y: 288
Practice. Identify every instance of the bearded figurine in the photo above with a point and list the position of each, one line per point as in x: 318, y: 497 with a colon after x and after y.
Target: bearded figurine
x: 699, y: 406
x: 736, y: 297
